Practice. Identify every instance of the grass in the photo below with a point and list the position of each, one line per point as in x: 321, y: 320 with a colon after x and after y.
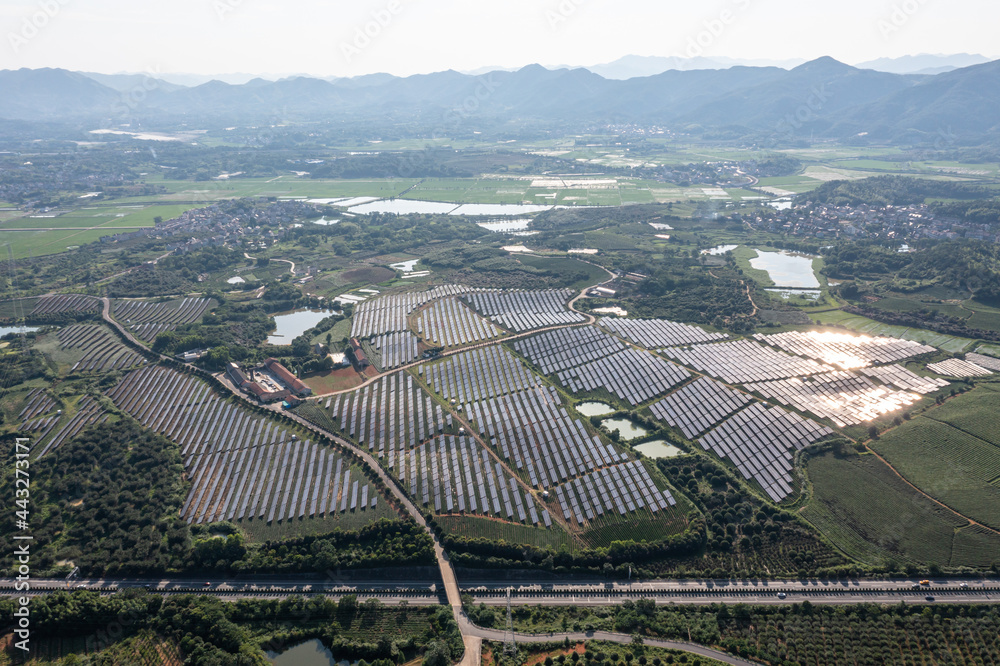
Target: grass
x: 861, y: 324
x: 474, y: 527
x: 948, y: 463
x: 868, y: 512
x: 38, y: 243
x: 575, y: 274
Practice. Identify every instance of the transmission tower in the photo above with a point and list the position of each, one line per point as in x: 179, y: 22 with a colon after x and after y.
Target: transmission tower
x: 509, y: 644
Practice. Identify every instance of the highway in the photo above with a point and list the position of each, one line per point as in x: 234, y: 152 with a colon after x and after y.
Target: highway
x: 586, y: 593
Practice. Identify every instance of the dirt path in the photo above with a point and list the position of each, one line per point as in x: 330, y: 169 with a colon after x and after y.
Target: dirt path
x: 921, y: 492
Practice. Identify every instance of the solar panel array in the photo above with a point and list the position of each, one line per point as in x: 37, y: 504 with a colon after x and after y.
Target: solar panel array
x: 634, y: 376
x: 845, y: 350
x: 477, y: 374
x: 394, y: 349
x: 241, y: 466
x: 147, y: 320
x: 390, y: 415
x: 457, y: 475
x: 564, y: 348
x: 900, y: 377
x: 37, y: 402
x: 88, y: 411
x: 532, y: 430
x: 761, y: 442
x: 954, y: 367
x: 101, y: 350
x: 744, y: 361
x: 843, y: 397
x: 521, y: 311
x: 66, y: 303
x: 388, y: 313
x: 656, y: 333
x: 698, y: 406
x: 619, y: 489
x: 987, y: 362
x: 449, y: 322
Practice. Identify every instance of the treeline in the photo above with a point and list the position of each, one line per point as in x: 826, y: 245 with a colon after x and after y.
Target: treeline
x: 477, y: 552
x: 962, y: 265
x: 109, y: 501
x: 20, y: 363
x: 938, y: 323
x: 386, y: 233
x: 175, y: 274
x: 386, y: 543
x: 211, y: 632
x: 680, y: 288
x: 893, y: 191
x: 744, y: 535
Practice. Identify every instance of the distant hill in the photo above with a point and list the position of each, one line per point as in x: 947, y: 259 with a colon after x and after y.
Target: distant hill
x: 956, y: 105
x: 924, y: 64
x: 823, y: 97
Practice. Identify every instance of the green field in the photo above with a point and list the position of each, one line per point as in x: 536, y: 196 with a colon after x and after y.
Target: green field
x: 585, y: 274
x: 861, y: 324
x: 867, y: 511
x: 947, y: 462
x: 473, y: 527
x: 37, y: 243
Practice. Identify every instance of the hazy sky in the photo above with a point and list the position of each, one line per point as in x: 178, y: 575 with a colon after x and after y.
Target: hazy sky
x: 322, y: 37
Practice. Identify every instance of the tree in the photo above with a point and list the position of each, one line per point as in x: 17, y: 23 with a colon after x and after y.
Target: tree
x: 438, y: 654
x: 217, y: 358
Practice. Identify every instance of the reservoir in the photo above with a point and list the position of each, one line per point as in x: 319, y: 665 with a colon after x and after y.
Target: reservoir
x: 310, y: 653
x: 595, y: 409
x: 787, y: 269
x: 625, y: 428
x: 294, y: 324
x: 658, y: 449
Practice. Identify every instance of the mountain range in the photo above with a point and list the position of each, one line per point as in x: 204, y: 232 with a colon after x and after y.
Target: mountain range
x: 822, y: 97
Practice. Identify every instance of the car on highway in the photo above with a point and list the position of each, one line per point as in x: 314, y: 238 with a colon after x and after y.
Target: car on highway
x: 207, y: 584
x: 964, y: 586
x: 929, y: 598
x: 782, y: 595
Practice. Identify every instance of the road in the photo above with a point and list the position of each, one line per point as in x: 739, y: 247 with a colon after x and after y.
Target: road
x: 579, y: 592
x: 554, y: 593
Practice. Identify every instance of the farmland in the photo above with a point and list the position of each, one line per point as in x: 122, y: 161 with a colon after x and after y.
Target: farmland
x: 947, y: 463
x: 872, y: 515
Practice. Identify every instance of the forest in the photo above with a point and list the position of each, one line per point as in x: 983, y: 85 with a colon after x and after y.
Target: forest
x: 209, y: 631
x: 893, y: 191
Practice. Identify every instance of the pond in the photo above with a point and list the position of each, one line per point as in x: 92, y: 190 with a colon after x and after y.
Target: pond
x: 294, y: 324
x: 787, y: 269
x: 595, y: 409
x: 416, y: 206
x: 505, y: 226
x: 310, y: 653
x: 405, y: 266
x: 658, y: 449
x: 809, y: 294
x: 405, y: 207
x: 720, y: 250
x: 625, y: 428
x: 4, y: 330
